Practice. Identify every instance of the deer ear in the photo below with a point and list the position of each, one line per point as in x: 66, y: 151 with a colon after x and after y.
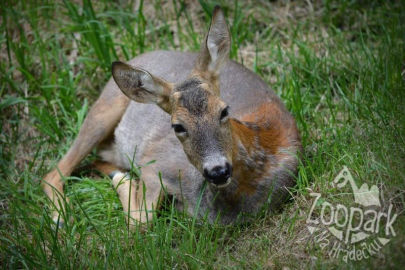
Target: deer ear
x: 141, y: 86
x: 216, y: 46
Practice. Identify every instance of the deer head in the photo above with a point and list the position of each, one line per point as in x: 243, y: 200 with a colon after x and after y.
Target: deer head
x: 198, y: 115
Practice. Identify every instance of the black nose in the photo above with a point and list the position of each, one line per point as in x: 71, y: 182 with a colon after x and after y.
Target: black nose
x: 219, y: 174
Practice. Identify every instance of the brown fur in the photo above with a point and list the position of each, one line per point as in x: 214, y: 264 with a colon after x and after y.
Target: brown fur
x: 105, y: 167
x: 267, y: 135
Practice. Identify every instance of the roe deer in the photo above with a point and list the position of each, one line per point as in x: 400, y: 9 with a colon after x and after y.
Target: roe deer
x: 223, y: 141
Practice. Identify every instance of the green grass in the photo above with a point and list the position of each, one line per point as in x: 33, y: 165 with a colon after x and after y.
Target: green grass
x: 338, y: 66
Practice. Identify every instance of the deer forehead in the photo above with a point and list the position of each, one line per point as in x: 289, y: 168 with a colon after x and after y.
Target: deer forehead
x: 194, y: 99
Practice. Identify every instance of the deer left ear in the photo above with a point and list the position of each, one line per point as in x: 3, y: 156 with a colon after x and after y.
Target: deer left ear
x: 216, y: 46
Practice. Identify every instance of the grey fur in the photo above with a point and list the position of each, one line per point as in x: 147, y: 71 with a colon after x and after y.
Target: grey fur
x: 195, y: 100
x: 189, y: 84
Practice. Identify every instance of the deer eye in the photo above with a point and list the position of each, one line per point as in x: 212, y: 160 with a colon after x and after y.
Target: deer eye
x: 179, y: 128
x: 224, y: 114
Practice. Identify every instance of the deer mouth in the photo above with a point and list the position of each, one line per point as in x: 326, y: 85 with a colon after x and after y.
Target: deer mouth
x: 220, y: 185
x: 224, y: 185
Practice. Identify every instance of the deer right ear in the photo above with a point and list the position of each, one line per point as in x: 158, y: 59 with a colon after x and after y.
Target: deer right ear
x: 141, y: 86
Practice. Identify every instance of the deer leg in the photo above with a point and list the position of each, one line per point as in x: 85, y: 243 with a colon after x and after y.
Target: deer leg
x: 98, y: 125
x: 139, y: 198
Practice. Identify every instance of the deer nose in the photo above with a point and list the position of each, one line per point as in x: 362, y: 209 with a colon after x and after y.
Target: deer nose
x: 218, y: 175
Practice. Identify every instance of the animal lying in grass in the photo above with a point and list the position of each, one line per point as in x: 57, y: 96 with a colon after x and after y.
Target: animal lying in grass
x: 224, y: 143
